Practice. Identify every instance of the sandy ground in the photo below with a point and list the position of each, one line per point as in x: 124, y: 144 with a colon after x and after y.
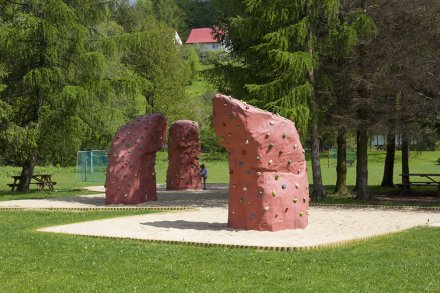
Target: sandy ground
x: 207, y: 223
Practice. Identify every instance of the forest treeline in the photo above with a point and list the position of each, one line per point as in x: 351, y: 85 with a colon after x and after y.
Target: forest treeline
x: 72, y: 71
x: 340, y: 68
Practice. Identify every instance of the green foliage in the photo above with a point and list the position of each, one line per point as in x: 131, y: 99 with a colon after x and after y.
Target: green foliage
x: 191, y: 59
x: 151, y: 52
x: 170, y: 13
x: 65, y: 79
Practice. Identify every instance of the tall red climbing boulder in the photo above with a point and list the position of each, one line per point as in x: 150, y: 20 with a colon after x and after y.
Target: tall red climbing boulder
x: 183, y: 156
x: 131, y: 178
x: 268, y: 187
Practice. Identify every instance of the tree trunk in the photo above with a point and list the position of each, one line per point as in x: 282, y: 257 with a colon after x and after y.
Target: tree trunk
x: 341, y: 165
x: 405, y: 161
x: 26, y: 174
x: 388, y: 171
x: 362, y: 163
x: 318, y: 188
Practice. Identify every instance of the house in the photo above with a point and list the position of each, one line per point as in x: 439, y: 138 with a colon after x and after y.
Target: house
x: 204, y: 38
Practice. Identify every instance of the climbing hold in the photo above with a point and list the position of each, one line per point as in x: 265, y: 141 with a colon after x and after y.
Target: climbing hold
x: 277, y: 177
x: 240, y: 164
x: 271, y: 123
x: 243, y: 152
x: 270, y: 145
x: 126, y: 195
x: 270, y: 162
x: 238, y: 126
x: 299, y: 171
x: 304, y: 200
x: 231, y: 172
x: 284, y: 134
x: 296, y: 185
x: 266, y: 209
x: 274, y: 193
x: 258, y: 173
x: 258, y: 157
x: 307, y: 186
x: 234, y: 185
x: 267, y: 134
x: 244, y: 188
x: 248, y: 171
x: 301, y: 214
x: 276, y: 215
x: 241, y: 200
x: 247, y: 141
x: 260, y: 192
x: 283, y: 186
x: 295, y: 200
x: 289, y: 162
x: 222, y: 139
x: 295, y: 146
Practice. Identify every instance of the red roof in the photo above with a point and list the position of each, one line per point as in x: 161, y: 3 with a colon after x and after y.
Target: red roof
x: 201, y: 35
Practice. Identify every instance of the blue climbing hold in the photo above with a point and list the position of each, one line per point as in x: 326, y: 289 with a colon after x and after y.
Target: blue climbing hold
x: 283, y: 186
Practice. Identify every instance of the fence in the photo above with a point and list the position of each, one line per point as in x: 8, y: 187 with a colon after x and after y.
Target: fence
x: 91, y: 166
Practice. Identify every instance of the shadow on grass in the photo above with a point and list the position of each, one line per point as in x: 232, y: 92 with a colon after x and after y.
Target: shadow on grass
x: 37, y: 194
x: 389, y: 196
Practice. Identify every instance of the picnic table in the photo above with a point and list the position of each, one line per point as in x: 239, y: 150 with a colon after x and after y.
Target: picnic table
x: 423, y: 179
x: 41, y: 180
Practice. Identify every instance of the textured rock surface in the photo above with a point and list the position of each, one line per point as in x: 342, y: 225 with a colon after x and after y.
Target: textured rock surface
x: 131, y: 178
x: 268, y: 188
x: 183, y: 156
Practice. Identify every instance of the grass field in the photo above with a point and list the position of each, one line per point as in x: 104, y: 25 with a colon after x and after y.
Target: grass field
x: 423, y: 162
x: 42, y: 262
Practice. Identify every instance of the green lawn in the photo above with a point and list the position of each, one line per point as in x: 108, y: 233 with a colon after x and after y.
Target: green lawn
x: 424, y: 162
x: 44, y: 262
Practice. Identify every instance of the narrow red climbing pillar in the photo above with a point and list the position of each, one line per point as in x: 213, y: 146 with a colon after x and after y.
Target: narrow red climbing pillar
x: 131, y: 178
x: 183, y: 156
x: 268, y: 188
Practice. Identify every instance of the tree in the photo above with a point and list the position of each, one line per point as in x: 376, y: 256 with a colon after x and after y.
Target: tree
x: 170, y: 13
x: 153, y: 55
x: 278, y: 50
x: 54, y: 75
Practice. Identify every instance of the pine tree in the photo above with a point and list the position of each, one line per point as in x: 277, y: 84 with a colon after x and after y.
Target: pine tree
x: 57, y: 71
x: 278, y: 48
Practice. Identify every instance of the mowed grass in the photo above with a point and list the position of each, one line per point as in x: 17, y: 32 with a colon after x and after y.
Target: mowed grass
x: 46, y: 262
x: 420, y: 162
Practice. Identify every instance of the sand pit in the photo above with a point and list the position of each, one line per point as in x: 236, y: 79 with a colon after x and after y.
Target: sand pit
x: 206, y: 224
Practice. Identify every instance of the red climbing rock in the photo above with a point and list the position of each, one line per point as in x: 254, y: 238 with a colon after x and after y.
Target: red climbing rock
x: 131, y: 178
x: 268, y: 188
x: 183, y: 156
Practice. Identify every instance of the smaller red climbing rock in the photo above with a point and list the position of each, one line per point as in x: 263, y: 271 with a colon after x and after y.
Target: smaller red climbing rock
x: 183, y: 156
